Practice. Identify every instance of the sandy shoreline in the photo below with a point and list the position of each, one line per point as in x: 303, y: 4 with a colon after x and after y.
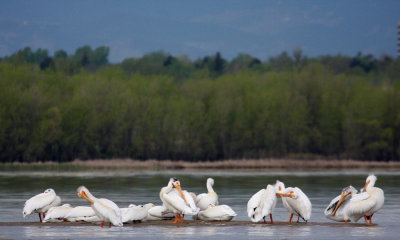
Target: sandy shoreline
x: 232, y: 165
x: 189, y: 223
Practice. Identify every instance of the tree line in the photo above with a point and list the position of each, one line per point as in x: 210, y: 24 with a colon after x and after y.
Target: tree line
x: 65, y: 107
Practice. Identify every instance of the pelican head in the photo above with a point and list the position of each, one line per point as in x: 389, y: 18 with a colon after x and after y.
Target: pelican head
x: 176, y: 184
x: 347, y: 191
x: 279, y: 186
x: 131, y: 205
x: 369, y: 182
x: 50, y: 191
x: 83, y: 192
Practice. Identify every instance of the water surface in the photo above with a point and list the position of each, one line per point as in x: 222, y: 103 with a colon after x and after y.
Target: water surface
x: 233, y: 188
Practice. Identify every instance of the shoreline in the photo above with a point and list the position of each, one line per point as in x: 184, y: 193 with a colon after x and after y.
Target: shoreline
x: 228, y: 165
x: 187, y: 223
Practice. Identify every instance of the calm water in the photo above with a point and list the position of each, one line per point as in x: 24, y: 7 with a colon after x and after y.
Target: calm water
x: 233, y: 188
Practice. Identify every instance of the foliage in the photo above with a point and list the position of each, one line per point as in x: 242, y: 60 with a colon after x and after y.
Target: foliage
x: 165, y: 107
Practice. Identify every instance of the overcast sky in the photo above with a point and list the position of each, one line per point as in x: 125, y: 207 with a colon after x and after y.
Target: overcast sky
x: 199, y: 28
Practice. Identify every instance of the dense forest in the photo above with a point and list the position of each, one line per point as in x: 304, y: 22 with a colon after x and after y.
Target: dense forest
x: 158, y: 106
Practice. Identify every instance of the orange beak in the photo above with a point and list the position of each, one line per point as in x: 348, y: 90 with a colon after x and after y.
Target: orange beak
x: 83, y: 194
x: 342, y: 198
x: 285, y: 194
x: 177, y: 186
x: 365, y: 186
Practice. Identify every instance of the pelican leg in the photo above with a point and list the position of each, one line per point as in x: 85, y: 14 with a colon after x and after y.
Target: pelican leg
x: 44, y: 215
x: 182, y: 219
x: 298, y: 218
x: 109, y: 225
x: 365, y: 218
x: 345, y: 221
x: 270, y: 216
x: 102, y: 224
x: 264, y: 220
x: 291, y: 216
x: 40, y: 218
x: 176, y: 218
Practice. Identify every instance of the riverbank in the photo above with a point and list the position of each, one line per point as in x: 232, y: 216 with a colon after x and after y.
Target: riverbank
x: 232, y: 165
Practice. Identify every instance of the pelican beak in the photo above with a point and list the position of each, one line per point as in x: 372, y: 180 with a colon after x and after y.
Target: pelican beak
x: 342, y: 198
x: 83, y: 194
x: 365, y: 186
x: 177, y: 186
x: 285, y: 194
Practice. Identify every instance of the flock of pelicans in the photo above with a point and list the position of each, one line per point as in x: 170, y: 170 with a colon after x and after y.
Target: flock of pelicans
x: 348, y: 206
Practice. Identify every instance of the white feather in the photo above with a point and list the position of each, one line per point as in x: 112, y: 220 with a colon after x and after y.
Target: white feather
x: 204, y: 200
x: 261, y: 204
x: 217, y: 213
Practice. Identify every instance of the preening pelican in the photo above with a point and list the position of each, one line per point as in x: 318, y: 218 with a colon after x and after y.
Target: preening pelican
x: 339, y: 215
x: 41, y: 203
x: 295, y: 201
x: 217, y: 213
x: 135, y: 212
x: 177, y: 201
x: 57, y: 213
x: 262, y: 204
x: 204, y: 200
x: 366, y: 203
x: 82, y: 213
x: 105, y: 209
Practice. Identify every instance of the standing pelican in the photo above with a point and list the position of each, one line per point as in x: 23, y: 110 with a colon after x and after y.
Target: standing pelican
x: 217, y: 213
x: 262, y: 204
x: 57, y: 213
x: 339, y: 215
x: 41, y: 203
x: 366, y: 203
x: 204, y: 200
x: 179, y: 202
x: 295, y: 201
x: 105, y: 209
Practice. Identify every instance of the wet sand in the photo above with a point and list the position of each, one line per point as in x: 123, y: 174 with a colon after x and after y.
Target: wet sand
x: 190, y: 223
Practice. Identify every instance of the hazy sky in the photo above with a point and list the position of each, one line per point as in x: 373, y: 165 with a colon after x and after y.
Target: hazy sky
x: 199, y: 28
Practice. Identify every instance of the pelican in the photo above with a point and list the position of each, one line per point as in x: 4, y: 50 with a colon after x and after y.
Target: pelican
x: 204, y: 200
x: 262, y: 204
x: 366, y: 203
x: 159, y: 213
x: 135, y: 213
x: 82, y: 213
x: 57, y: 213
x: 339, y: 215
x: 217, y: 213
x: 177, y: 201
x: 105, y: 209
x: 295, y: 201
x: 41, y: 203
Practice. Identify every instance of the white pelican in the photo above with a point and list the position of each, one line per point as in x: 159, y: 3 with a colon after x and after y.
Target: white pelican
x: 135, y: 212
x: 339, y: 215
x: 217, y: 213
x: 366, y: 203
x: 204, y: 200
x: 262, y: 204
x: 295, y: 201
x: 82, y: 213
x: 41, y: 203
x: 105, y: 209
x: 57, y: 213
x: 177, y: 201
x: 159, y: 213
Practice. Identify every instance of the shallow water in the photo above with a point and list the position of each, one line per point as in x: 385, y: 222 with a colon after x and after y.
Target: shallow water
x: 233, y: 188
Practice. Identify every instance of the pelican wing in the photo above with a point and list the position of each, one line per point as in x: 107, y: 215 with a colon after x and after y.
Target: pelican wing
x: 254, y: 202
x: 80, y: 211
x: 135, y: 213
x: 109, y: 210
x: 221, y: 212
x: 360, y: 203
x: 332, y: 205
x: 301, y: 205
x: 159, y: 211
x: 191, y: 202
x: 57, y: 212
x: 176, y: 201
x: 269, y: 201
x: 37, y: 202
